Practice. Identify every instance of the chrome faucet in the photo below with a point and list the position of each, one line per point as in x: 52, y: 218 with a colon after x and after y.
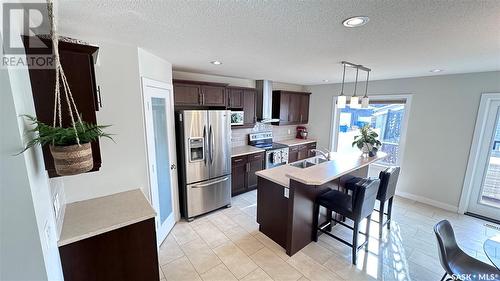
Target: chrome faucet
x: 325, y: 155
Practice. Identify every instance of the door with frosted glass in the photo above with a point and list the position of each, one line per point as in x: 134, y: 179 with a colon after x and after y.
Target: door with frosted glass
x: 161, y: 153
x: 485, y: 193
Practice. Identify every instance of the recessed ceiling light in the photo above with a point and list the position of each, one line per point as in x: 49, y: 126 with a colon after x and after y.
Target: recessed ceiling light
x: 436, y: 70
x: 355, y: 21
x: 216, y: 62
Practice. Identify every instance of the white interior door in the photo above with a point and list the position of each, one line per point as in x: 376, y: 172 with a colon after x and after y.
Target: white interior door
x: 160, y: 136
x: 485, y: 184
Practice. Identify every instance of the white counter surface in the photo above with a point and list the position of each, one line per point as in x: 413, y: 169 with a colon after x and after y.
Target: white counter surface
x: 294, y: 142
x: 92, y: 217
x: 319, y: 174
x: 244, y: 150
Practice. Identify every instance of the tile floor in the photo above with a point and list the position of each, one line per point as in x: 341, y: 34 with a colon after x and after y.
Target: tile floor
x: 227, y: 245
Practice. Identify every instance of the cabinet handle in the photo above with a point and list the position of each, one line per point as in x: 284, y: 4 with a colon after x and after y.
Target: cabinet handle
x: 199, y: 99
x: 248, y: 167
x: 203, y: 97
x: 229, y: 101
x: 300, y: 117
x: 99, y: 96
x: 238, y: 160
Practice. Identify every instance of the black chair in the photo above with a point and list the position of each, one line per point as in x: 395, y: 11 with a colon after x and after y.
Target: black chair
x: 455, y: 262
x: 356, y: 207
x: 386, y: 191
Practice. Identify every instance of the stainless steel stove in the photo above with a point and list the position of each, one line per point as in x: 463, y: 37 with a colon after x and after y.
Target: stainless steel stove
x: 276, y: 153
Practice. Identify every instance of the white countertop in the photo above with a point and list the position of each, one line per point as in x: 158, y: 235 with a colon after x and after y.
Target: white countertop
x: 92, y: 217
x: 294, y: 142
x: 319, y: 174
x: 244, y: 149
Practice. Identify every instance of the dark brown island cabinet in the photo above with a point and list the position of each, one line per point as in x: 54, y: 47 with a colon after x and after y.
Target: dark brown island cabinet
x: 243, y: 170
x: 78, y: 63
x: 207, y: 95
x: 301, y: 152
x: 291, y: 108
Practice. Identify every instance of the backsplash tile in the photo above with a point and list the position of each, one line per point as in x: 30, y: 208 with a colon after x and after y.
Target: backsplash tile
x: 239, y: 137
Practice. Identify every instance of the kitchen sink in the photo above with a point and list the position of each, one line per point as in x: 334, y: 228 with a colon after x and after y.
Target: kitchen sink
x: 309, y: 162
x: 316, y: 160
x: 303, y: 164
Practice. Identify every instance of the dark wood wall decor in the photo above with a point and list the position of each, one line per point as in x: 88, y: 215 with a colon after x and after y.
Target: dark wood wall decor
x: 78, y: 63
x: 243, y: 170
x: 127, y: 254
x: 292, y: 108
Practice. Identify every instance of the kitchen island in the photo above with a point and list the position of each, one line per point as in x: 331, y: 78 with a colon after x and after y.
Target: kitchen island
x: 286, y: 195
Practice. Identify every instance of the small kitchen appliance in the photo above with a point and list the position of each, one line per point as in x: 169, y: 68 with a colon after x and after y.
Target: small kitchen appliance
x: 276, y: 153
x: 237, y: 118
x: 301, y: 132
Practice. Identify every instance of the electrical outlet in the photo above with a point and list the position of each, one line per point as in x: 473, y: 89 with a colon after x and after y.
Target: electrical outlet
x: 286, y: 192
x: 289, y: 131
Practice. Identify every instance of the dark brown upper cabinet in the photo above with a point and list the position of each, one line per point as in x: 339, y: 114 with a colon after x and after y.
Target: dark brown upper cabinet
x: 78, y: 63
x: 290, y: 107
x: 240, y: 98
x: 199, y: 94
x: 235, y: 98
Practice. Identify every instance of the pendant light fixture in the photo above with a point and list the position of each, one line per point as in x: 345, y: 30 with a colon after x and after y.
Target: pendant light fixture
x: 365, y: 100
x: 354, y: 102
x: 354, y: 99
x: 342, y: 98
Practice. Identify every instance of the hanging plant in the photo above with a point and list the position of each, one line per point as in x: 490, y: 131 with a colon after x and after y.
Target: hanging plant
x: 70, y: 147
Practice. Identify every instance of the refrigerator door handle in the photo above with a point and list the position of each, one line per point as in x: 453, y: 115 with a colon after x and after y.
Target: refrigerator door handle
x: 210, y: 183
x: 212, y: 140
x: 205, y: 144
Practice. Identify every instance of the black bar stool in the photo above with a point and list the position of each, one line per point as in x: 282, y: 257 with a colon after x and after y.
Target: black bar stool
x: 356, y: 207
x: 386, y: 191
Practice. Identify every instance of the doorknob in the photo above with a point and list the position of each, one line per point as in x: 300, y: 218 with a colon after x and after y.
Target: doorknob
x: 172, y: 167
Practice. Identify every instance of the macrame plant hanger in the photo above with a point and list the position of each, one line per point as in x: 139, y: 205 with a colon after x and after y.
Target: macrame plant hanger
x: 61, y: 77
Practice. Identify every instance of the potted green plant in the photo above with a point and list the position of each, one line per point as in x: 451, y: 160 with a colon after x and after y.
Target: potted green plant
x: 367, y: 141
x: 70, y: 149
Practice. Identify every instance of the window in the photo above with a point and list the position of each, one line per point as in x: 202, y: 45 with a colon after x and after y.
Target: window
x: 387, y: 119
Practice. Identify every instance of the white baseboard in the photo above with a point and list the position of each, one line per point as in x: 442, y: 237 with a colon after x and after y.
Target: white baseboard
x: 428, y: 201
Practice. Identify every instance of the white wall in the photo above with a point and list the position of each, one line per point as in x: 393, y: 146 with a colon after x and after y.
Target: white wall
x: 154, y: 67
x: 440, y: 129
x: 28, y: 236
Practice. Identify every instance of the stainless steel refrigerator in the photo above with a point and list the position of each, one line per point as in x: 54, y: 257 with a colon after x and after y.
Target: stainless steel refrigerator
x: 204, y: 149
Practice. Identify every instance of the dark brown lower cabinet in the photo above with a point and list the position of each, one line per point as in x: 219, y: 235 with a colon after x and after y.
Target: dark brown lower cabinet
x: 301, y: 151
x: 243, y: 170
x: 128, y: 254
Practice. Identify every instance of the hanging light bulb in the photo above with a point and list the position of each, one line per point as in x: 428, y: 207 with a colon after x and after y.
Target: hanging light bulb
x: 354, y: 99
x: 341, y: 99
x: 365, y: 101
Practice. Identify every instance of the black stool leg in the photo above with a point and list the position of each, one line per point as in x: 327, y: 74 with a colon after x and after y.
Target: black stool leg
x: 444, y: 276
x: 368, y: 220
x: 355, y: 241
x: 389, y: 213
x: 381, y: 218
x: 329, y: 217
x: 315, y: 222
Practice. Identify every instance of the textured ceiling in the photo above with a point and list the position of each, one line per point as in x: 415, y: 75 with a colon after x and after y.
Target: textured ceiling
x: 299, y: 41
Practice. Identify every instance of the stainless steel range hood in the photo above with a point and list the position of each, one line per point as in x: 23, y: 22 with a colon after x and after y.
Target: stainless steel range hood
x: 265, y: 101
